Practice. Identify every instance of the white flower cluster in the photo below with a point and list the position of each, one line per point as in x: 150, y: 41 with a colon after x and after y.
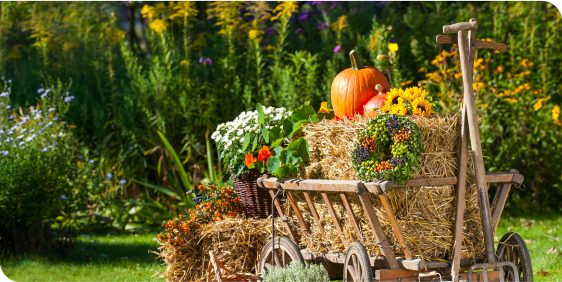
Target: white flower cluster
x: 232, y: 132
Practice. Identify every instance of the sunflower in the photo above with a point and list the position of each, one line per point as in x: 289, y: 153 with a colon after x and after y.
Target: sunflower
x: 386, y: 108
x: 392, y: 96
x: 400, y: 108
x: 414, y: 92
x: 421, y: 107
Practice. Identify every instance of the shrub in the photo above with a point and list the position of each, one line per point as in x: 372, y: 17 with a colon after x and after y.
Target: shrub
x: 43, y: 179
x: 297, y: 272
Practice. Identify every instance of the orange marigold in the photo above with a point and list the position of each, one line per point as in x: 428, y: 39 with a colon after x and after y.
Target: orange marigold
x: 250, y: 160
x: 264, y: 154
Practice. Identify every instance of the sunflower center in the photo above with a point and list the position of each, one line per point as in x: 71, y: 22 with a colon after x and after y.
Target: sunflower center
x: 395, y: 100
x: 420, y: 108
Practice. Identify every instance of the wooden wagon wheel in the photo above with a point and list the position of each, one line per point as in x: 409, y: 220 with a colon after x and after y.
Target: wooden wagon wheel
x: 357, y: 265
x: 285, y: 252
x: 512, y: 248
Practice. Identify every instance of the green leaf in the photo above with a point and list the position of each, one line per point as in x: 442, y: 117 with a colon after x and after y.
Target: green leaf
x: 261, y: 116
x: 157, y: 188
x: 294, y: 160
x: 276, y: 133
x: 276, y: 143
x: 293, y: 169
x: 299, y: 147
x: 246, y: 141
x: 273, y: 164
x: 264, y: 133
x: 277, y: 150
x: 304, y: 113
x: 181, y: 171
x: 282, y: 171
x: 296, y: 126
x: 284, y: 156
x: 288, y: 127
x: 255, y: 144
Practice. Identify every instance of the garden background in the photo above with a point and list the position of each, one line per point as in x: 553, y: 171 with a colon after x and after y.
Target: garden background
x: 117, y: 73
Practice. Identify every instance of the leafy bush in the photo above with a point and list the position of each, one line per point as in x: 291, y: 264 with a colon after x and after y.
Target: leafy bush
x: 43, y: 179
x: 297, y: 272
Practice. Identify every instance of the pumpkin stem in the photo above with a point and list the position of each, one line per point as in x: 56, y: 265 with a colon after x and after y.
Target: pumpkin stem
x: 355, y: 61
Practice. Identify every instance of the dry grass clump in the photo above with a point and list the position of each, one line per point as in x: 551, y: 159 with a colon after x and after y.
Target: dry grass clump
x: 425, y: 214
x: 236, y: 242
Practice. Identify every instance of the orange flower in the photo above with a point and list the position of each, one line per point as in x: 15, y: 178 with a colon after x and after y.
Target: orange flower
x: 250, y: 160
x: 324, y: 108
x: 264, y: 154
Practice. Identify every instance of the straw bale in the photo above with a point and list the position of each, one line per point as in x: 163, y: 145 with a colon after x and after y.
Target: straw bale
x: 236, y: 242
x: 425, y: 214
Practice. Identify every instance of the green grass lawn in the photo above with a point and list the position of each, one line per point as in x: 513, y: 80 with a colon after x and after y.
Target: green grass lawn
x: 121, y: 257
x: 125, y: 257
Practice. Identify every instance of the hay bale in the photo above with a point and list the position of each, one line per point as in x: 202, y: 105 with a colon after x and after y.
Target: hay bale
x: 236, y: 242
x: 425, y: 214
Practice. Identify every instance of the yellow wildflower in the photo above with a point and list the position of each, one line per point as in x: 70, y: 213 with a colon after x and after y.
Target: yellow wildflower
x: 422, y: 69
x: 393, y: 47
x: 184, y: 10
x: 484, y: 105
x: 421, y: 107
x: 477, y: 85
x: 406, y: 82
x: 285, y: 9
x: 253, y: 34
x: 500, y: 68
x: 555, y: 112
x: 381, y: 57
x: 184, y: 63
x: 438, y: 59
x: 478, y: 62
x: 511, y: 100
x: 147, y: 11
x: 538, y: 105
x: 459, y: 74
x: 526, y: 63
x: 412, y: 93
x: 158, y: 25
x: 324, y: 108
x: 340, y: 24
x: 269, y: 47
x: 115, y: 35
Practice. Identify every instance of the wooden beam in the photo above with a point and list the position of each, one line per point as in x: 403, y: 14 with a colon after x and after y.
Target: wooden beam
x: 312, y: 184
x: 352, y: 217
x: 279, y: 208
x: 335, y: 218
x: 315, y: 215
x: 380, y: 261
x: 502, y: 193
x: 298, y: 214
x: 478, y: 44
x: 395, y: 227
x: 389, y: 274
x: 377, y: 228
x: 478, y: 276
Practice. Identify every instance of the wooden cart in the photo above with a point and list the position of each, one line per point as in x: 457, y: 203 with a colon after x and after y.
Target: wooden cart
x: 510, y: 262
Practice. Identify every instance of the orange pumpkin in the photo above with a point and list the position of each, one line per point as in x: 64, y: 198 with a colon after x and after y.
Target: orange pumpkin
x: 353, y: 87
x: 376, y: 102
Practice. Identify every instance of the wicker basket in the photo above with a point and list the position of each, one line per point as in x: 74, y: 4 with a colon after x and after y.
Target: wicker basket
x: 255, y: 201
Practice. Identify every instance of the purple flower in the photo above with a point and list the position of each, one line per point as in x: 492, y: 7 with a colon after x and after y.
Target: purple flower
x: 51, y: 110
x: 298, y: 30
x: 337, y: 49
x: 44, y: 150
x: 325, y: 13
x: 354, y: 11
x: 63, y: 197
x: 208, y: 61
x: 303, y: 16
x: 269, y: 31
x: 55, y: 118
x: 108, y: 176
x: 9, y: 81
x: 7, y: 107
x: 382, y: 3
x: 393, y: 40
x: 130, y: 148
x: 67, y: 92
x: 68, y: 99
x: 201, y: 60
x: 80, y: 157
x: 322, y: 26
x: 91, y: 161
x: 40, y: 90
x: 122, y: 181
x: 5, y: 94
x: 316, y: 3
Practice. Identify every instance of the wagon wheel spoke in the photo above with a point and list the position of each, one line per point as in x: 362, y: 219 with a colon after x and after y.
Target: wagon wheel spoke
x: 276, y: 259
x: 508, y: 251
x: 268, y: 266
x: 357, y: 268
x: 351, y: 270
x: 286, y: 258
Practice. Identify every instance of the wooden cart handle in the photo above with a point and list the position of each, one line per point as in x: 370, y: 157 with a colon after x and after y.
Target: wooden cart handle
x: 454, y: 28
x: 478, y: 44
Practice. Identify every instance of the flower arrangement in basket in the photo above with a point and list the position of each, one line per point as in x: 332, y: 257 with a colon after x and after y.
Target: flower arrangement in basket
x: 260, y: 141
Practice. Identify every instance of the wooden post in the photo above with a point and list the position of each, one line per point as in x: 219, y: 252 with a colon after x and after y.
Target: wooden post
x: 376, y: 227
x: 290, y: 231
x: 335, y: 218
x: 477, y: 149
x: 315, y: 215
x: 352, y: 217
x: 503, y: 191
x: 395, y: 227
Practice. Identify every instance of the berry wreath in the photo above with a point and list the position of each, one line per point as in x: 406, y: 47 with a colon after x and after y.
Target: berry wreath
x: 389, y: 148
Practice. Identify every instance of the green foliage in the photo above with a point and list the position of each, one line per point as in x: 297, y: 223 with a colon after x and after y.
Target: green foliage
x: 378, y: 154
x: 297, y: 272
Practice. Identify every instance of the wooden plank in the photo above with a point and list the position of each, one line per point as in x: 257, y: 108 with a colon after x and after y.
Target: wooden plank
x: 352, y: 217
x: 298, y: 214
x: 376, y: 227
x: 478, y: 276
x: 458, y: 27
x: 335, y: 218
x: 416, y: 264
x: 478, y: 44
x: 315, y: 215
x: 388, y: 274
x: 312, y: 184
x: 380, y: 261
x: 279, y: 208
x: 395, y: 227
x: 503, y: 192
